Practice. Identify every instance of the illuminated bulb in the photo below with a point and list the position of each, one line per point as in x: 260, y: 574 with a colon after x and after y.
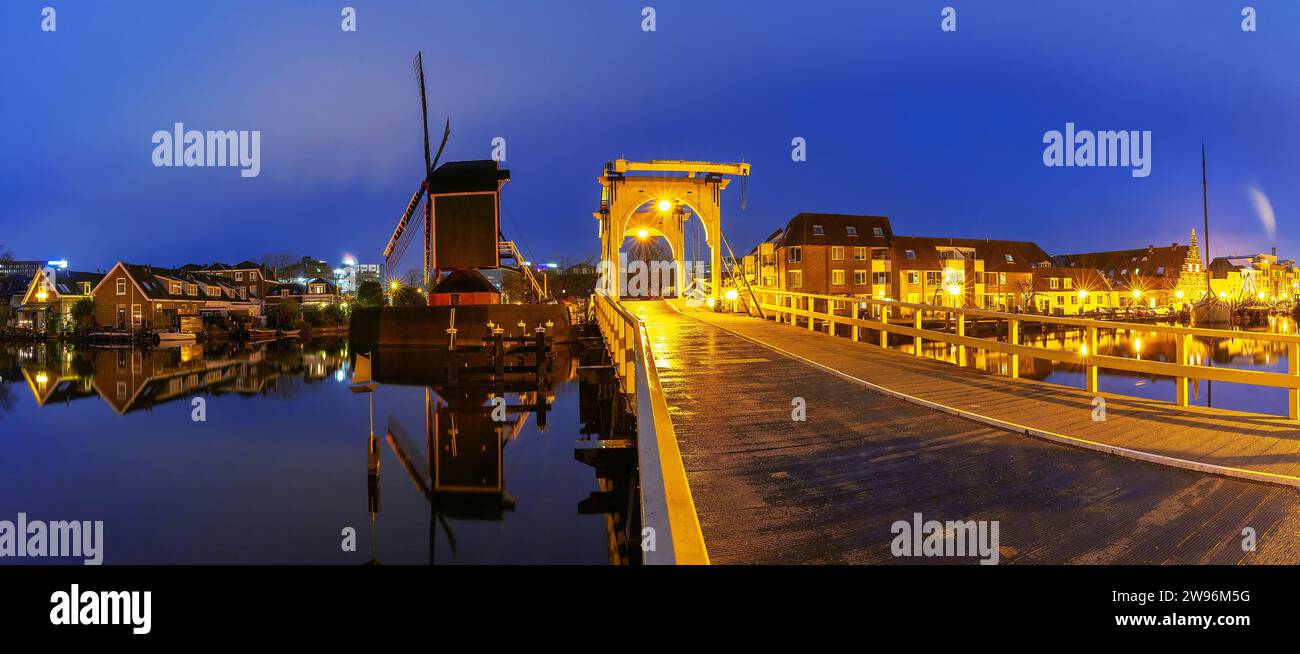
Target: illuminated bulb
x: 954, y: 289
x: 1178, y: 294
x: 393, y: 285
x: 1222, y: 294
x: 1083, y: 293
x: 665, y: 205
x: 1083, y: 349
x: 731, y: 294
x: 710, y: 302
x: 642, y: 234
x: 1137, y: 293
x: 41, y: 378
x: 1261, y: 295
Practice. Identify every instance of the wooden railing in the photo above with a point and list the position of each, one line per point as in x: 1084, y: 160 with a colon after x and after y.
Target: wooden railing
x: 667, y: 507
x: 882, y: 315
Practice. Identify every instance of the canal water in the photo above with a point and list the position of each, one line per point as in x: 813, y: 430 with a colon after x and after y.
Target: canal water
x: 277, y: 469
x: 1240, y: 353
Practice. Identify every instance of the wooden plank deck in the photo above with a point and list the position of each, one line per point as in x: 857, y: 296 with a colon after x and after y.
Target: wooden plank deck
x: 772, y: 490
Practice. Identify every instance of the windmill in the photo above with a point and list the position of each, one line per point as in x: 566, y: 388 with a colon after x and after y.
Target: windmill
x: 456, y: 204
x: 395, y: 244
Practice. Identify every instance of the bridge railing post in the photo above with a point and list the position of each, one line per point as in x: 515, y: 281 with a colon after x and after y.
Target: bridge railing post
x: 1090, y: 341
x: 1181, y: 394
x: 961, y: 349
x: 1013, y: 338
x: 916, y: 323
x: 1293, y: 369
x: 853, y: 312
x: 884, y: 322
x: 810, y: 306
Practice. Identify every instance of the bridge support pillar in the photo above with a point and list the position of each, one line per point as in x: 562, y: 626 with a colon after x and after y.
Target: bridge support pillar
x: 1293, y: 368
x: 1090, y: 341
x: 1013, y: 338
x: 1180, y: 356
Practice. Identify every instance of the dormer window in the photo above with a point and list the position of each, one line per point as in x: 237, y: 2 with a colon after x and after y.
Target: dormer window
x: 174, y: 288
x: 818, y: 231
x: 910, y: 254
x: 85, y: 288
x: 191, y: 289
x: 878, y: 232
x: 1009, y: 258
x: 851, y: 230
x: 239, y: 276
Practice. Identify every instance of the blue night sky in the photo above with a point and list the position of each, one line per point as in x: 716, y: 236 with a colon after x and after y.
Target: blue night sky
x: 940, y: 131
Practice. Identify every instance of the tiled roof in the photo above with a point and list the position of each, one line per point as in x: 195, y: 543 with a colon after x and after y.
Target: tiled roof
x: 802, y: 230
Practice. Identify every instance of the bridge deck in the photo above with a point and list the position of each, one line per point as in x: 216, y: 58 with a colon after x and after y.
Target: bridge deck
x: 770, y: 489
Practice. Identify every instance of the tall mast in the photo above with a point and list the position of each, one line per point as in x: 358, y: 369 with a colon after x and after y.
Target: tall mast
x: 1205, y: 209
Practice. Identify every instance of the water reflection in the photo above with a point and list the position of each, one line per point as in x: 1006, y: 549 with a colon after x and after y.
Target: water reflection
x: 277, y: 470
x: 1233, y: 352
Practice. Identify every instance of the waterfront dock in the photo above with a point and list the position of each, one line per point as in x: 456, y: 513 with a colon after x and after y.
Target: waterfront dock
x: 889, y: 434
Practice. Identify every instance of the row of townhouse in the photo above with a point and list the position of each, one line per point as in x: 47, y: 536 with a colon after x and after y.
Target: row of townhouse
x: 844, y: 254
x: 139, y: 296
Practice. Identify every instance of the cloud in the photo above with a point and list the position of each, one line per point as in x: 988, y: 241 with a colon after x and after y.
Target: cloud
x: 1264, y: 210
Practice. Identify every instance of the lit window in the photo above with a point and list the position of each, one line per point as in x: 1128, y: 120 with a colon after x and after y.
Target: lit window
x: 1054, y: 283
x: 860, y: 277
x: 837, y: 253
x: 795, y: 255
x: 837, y: 278
x: 1069, y: 283
x: 239, y: 276
x: 794, y: 278
x: 121, y: 286
x: 859, y: 254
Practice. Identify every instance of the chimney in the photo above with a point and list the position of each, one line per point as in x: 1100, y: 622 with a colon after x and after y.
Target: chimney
x: 1275, y: 250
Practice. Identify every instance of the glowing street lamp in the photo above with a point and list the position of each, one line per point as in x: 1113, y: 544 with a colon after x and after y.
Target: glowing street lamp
x: 1137, y: 293
x: 1178, y: 294
x: 731, y: 294
x: 642, y: 234
x: 1083, y: 293
x: 954, y: 289
x: 665, y: 205
x: 1223, y: 294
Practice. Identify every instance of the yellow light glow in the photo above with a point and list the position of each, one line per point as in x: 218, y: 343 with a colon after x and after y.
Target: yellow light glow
x: 1137, y: 345
x: 642, y: 234
x: 1222, y: 294
x: 665, y: 205
x: 731, y: 294
x: 1083, y: 293
x: 1137, y: 293
x: 954, y: 289
x: 1178, y: 294
x: 710, y: 302
x: 880, y: 294
x: 1083, y: 349
x: 344, y: 306
x: 41, y: 378
x: 393, y: 285
x: 41, y: 295
x: 1260, y: 295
